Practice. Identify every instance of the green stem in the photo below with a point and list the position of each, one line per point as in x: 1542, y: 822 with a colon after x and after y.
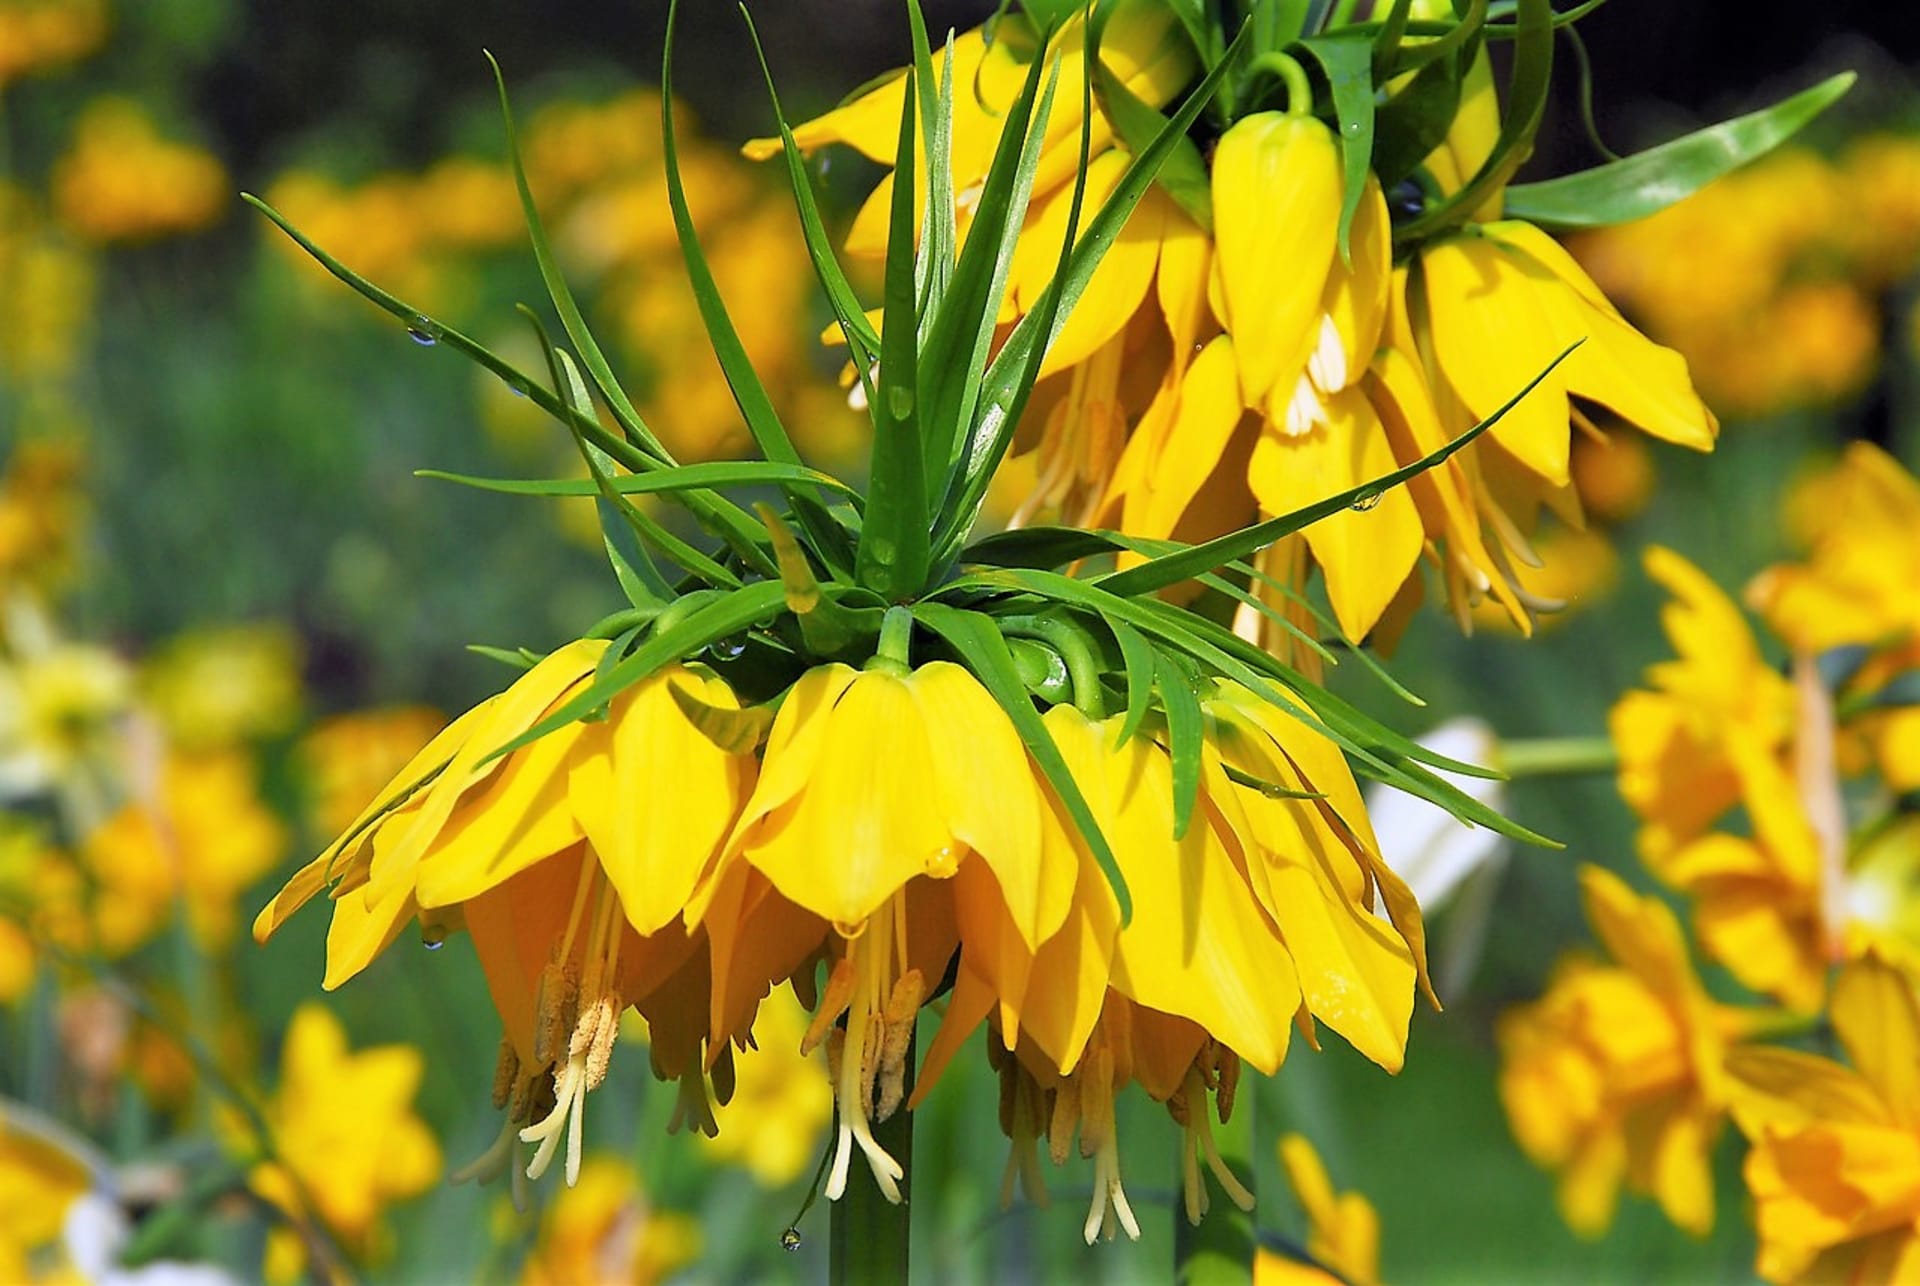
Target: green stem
x: 1219, y: 1250
x: 1558, y: 757
x: 1293, y: 75
x: 896, y: 633
x: 868, y: 1235
x: 1083, y: 667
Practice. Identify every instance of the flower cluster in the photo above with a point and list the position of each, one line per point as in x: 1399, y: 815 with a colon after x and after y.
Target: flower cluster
x: 1778, y: 806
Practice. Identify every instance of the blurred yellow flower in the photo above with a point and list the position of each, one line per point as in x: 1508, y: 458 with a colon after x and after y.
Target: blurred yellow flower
x: 1861, y: 520
x: 122, y: 181
x: 41, y: 511
x: 604, y: 1232
x: 1834, y: 1168
x: 1343, y: 1229
x: 1717, y: 707
x: 218, y: 688
x: 1613, y: 475
x: 1578, y: 569
x: 40, y: 1180
x: 203, y: 839
x: 49, y: 299
x: 346, y: 1139
x: 58, y: 701
x: 781, y: 1100
x: 36, y: 35
x: 349, y: 757
x: 1615, y: 1074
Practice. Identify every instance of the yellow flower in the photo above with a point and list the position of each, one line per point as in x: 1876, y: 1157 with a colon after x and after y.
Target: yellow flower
x: 1834, y: 1168
x: 124, y: 182
x: 345, y: 1136
x: 203, y: 839
x: 1207, y: 378
x: 41, y: 507
x: 49, y: 301
x: 349, y: 757
x: 1579, y: 569
x: 604, y: 1232
x: 1716, y: 707
x: 216, y: 688
x: 36, y: 35
x: 573, y: 898
x: 1615, y: 1074
x: 1862, y: 522
x: 40, y: 1179
x: 58, y: 702
x: 1343, y: 1230
x: 780, y: 1104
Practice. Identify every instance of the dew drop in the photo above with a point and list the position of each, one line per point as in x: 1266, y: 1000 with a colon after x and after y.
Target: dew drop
x: 1367, y: 500
x: 516, y: 387
x: 1351, y: 128
x: 729, y: 649
x: 423, y: 332
x: 433, y: 936
x: 790, y: 1240
x: 942, y: 862
x: 900, y: 402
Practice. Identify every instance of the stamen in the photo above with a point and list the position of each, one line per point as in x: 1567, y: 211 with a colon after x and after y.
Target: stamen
x: 859, y: 1061
x: 832, y: 1005
x: 489, y: 1164
x: 506, y: 1070
x: 902, y: 1006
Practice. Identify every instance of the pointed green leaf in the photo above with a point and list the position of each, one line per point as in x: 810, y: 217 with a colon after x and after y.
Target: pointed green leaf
x: 1271, y: 789
x: 736, y: 730
x: 729, y: 612
x: 1141, y: 663
x: 974, y: 637
x: 1184, y: 736
x: 1347, y: 59
x: 939, y: 235
x: 1415, y: 121
x: 826, y: 626
x: 1184, y: 174
x: 1158, y: 573
x: 682, y: 477
x: 519, y: 658
x: 1650, y: 181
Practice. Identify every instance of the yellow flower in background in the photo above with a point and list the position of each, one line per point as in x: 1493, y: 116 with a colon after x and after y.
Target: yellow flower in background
x: 1615, y: 1075
x: 604, y: 1232
x: 1578, y: 569
x: 1861, y: 522
x: 1834, y: 1167
x: 573, y: 900
x: 122, y: 181
x: 347, y: 1142
x: 203, y: 839
x: 1343, y: 1229
x: 1716, y: 706
x: 781, y: 1100
x: 58, y: 702
x: 41, y: 511
x: 38, y: 35
x: 221, y: 687
x: 349, y: 757
x: 48, y: 303
x: 42, y: 1176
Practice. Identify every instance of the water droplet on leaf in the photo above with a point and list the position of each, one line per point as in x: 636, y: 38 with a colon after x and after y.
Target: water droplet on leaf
x: 729, y: 649
x: 423, y: 333
x: 943, y: 862
x: 900, y: 402
x: 1366, y: 500
x: 790, y: 1240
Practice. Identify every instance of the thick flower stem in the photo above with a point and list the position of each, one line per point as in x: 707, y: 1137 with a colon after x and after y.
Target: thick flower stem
x: 1558, y: 757
x: 868, y: 1235
x: 1218, y: 1251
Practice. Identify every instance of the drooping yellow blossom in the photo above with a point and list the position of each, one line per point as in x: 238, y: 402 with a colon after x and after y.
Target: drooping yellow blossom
x: 37, y: 35
x: 1716, y: 707
x: 604, y: 1231
x: 347, y: 1142
x: 1615, y: 1075
x: 217, y: 688
x: 572, y: 897
x: 122, y: 181
x: 349, y: 757
x: 781, y: 1101
x: 1861, y: 523
x: 41, y: 1177
x: 203, y: 838
x: 1834, y: 1168
x: 1343, y: 1229
x: 1208, y: 377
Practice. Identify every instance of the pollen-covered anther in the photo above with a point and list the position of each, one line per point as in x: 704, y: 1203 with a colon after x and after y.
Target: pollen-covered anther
x: 606, y: 1030
x: 506, y: 1070
x: 1197, y: 1145
x: 834, y: 1003
x: 1024, y: 1115
x: 1229, y: 1085
x: 902, y: 1007
x: 1065, y: 1119
x: 556, y: 1002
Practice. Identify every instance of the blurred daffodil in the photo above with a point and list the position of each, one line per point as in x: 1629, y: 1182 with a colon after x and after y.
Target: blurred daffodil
x: 1343, y: 1229
x: 218, y: 688
x: 604, y: 1231
x: 122, y: 181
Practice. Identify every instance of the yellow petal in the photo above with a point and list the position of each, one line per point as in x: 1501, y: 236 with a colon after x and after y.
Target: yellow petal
x: 1365, y: 554
x: 1276, y: 212
x: 1355, y: 302
x: 1876, y: 1017
x: 518, y: 819
x: 1202, y: 421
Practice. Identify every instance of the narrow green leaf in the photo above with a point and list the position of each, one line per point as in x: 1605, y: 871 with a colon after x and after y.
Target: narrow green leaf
x: 1526, y: 104
x: 519, y: 658
x: 892, y: 557
x: 1009, y: 380
x: 827, y: 626
x: 1185, y: 726
x: 1347, y: 59
x: 939, y: 235
x: 974, y: 637
x: 1043, y: 546
x: 1271, y: 789
x: 1158, y: 573
x: 1414, y: 121
x: 730, y: 612
x: 1184, y: 174
x: 863, y: 342
x: 1386, y: 42
x: 1444, y: 41
x: 1650, y: 181
x: 736, y: 730
x: 682, y: 477
x: 1141, y: 663
x: 563, y: 301
x: 642, y: 589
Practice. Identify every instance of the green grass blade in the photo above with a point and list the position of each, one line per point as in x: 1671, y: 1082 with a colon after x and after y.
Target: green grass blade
x: 682, y: 477
x: 1347, y: 58
x: 1184, y: 736
x: 939, y: 236
x: 1141, y: 664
